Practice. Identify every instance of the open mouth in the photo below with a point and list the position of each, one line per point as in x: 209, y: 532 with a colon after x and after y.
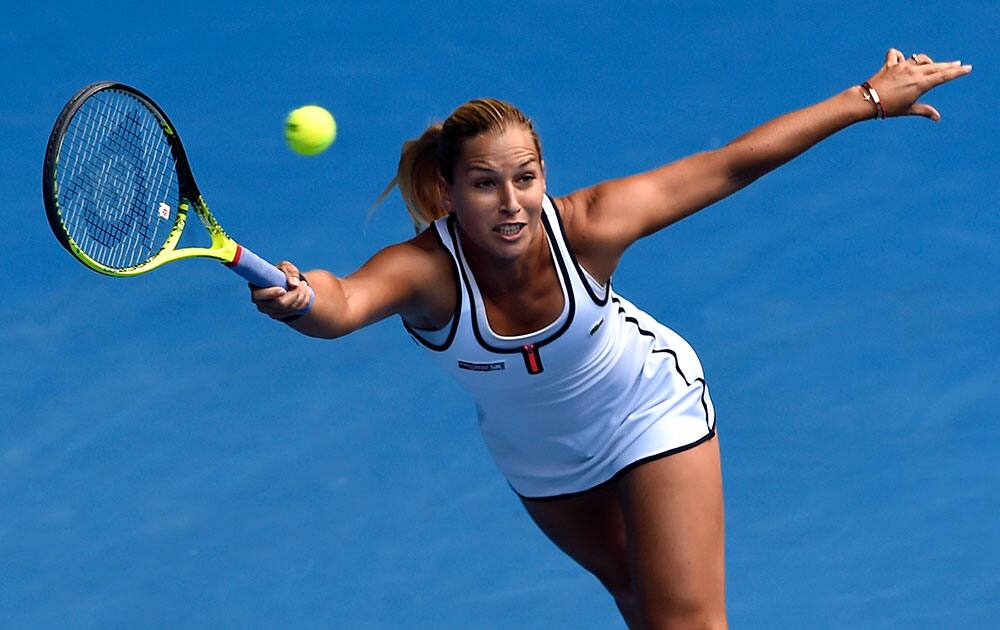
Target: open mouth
x: 509, y: 229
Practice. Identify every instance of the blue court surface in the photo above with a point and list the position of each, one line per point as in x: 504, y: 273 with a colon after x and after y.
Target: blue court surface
x: 171, y: 458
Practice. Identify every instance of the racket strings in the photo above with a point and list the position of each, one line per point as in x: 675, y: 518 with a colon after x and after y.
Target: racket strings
x: 117, y: 180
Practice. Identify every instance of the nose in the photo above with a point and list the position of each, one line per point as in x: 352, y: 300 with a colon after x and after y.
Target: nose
x: 508, y: 200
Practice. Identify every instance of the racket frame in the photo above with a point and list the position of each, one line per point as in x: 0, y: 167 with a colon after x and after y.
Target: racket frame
x: 222, y: 247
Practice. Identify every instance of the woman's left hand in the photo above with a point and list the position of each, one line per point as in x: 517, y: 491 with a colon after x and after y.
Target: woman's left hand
x: 901, y: 81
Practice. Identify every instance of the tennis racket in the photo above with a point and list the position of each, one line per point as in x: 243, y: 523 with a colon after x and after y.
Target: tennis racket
x: 118, y: 189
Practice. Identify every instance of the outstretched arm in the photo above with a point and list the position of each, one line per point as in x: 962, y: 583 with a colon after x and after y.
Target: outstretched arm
x: 614, y: 214
x: 400, y: 279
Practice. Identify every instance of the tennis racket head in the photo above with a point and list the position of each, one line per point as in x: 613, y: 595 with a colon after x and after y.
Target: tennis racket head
x: 116, y: 181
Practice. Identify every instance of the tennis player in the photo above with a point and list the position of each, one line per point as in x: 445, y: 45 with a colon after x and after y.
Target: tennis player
x: 598, y: 415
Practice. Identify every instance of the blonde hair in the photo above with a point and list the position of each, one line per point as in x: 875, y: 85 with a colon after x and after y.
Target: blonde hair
x: 423, y: 160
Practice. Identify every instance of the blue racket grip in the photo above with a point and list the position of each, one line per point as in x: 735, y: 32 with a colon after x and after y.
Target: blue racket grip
x: 261, y: 273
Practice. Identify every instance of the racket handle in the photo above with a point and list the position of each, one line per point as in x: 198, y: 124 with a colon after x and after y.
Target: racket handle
x: 261, y: 273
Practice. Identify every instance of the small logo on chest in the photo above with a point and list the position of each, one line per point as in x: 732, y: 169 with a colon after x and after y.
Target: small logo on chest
x: 596, y: 326
x: 483, y: 367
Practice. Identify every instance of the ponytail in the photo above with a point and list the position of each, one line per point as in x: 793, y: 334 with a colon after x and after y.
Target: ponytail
x: 417, y: 178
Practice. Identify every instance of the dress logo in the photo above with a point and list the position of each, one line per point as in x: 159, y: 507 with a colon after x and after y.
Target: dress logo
x: 483, y: 367
x: 532, y: 360
x: 596, y: 326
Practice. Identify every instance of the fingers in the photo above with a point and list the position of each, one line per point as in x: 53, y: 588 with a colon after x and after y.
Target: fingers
x: 298, y: 287
x: 926, y: 64
x: 903, y: 80
x: 925, y: 110
x: 291, y: 272
x: 893, y: 56
x: 279, y: 302
x: 265, y: 294
x: 299, y: 293
x: 939, y: 73
x: 284, y: 305
x: 931, y: 68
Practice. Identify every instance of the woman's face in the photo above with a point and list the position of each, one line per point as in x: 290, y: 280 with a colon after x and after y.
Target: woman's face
x: 498, y: 183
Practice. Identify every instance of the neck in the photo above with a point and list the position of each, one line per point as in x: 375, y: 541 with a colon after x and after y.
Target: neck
x: 497, y: 276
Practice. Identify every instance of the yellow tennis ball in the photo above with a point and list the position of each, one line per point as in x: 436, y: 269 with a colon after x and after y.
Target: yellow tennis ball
x: 310, y: 129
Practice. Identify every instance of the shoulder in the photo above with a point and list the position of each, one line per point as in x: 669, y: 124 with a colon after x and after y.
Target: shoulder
x: 419, y: 262
x: 420, y: 254
x: 429, y: 253
x: 425, y: 244
x: 571, y: 207
x: 589, y: 245
x: 404, y: 278
x: 430, y: 268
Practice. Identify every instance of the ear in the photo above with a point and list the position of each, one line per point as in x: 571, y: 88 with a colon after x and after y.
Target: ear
x: 444, y: 190
x: 544, y: 179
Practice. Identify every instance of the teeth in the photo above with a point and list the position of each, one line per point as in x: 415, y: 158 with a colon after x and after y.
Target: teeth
x: 508, y: 230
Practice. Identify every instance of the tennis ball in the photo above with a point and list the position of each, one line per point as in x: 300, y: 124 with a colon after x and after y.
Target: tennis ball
x: 309, y: 130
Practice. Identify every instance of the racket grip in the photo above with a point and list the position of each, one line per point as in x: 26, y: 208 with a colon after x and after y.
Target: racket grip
x: 261, y: 273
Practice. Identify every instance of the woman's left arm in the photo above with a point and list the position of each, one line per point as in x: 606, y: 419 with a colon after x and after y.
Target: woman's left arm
x: 616, y: 213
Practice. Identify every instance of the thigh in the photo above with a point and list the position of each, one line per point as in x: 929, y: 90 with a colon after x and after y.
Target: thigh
x: 673, y: 514
x: 589, y: 528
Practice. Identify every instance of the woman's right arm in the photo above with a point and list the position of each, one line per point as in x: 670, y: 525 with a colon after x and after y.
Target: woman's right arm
x: 397, y: 280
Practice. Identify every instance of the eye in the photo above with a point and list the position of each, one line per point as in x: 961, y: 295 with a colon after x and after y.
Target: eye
x: 527, y: 178
x: 483, y: 183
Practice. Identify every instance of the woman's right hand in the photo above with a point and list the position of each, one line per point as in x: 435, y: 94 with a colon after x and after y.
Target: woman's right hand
x: 280, y: 303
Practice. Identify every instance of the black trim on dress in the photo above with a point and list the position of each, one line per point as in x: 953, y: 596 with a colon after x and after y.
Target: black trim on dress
x: 567, y: 284
x: 414, y: 332
x: 576, y: 263
x: 555, y: 497
x: 677, y: 363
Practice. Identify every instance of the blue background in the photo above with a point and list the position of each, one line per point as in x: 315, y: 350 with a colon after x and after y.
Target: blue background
x: 170, y: 458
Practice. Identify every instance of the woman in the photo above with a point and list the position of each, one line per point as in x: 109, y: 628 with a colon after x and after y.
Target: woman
x: 599, y: 416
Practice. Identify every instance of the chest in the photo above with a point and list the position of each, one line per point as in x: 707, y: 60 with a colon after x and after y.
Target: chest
x: 526, y: 311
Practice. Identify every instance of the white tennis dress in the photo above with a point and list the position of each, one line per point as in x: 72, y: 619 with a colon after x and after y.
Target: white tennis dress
x: 564, y: 409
